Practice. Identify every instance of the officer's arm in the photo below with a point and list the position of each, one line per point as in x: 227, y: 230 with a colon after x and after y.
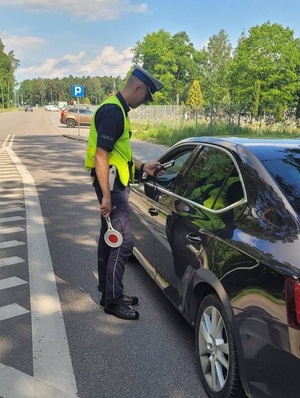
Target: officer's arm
x: 102, y: 172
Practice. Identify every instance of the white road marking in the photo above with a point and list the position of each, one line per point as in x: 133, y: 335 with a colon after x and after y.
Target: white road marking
x: 8, y: 143
x: 12, y: 140
x: 10, y: 243
x: 11, y: 210
x: 51, y: 356
x: 13, y: 281
x: 10, y: 219
x: 10, y: 202
x: 10, y: 178
x: 10, y: 261
x: 11, y: 310
x: 10, y: 230
x: 11, y: 189
x: 15, y: 384
x: 5, y: 141
x: 9, y: 170
x: 11, y: 195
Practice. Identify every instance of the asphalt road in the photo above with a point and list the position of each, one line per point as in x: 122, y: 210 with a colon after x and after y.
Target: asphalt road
x: 59, y: 340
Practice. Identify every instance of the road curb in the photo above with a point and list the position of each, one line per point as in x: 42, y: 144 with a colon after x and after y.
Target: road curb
x: 75, y: 137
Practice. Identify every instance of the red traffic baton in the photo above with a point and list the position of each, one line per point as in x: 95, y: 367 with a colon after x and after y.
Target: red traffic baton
x: 112, y: 237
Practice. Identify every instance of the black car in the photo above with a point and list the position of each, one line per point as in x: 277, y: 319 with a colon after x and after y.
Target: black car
x: 219, y: 233
x: 28, y: 108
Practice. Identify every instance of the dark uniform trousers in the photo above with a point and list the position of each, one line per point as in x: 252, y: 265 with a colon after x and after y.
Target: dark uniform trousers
x: 112, y: 261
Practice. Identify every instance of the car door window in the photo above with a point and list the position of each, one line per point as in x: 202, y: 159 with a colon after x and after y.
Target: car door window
x: 181, y: 156
x: 211, y: 180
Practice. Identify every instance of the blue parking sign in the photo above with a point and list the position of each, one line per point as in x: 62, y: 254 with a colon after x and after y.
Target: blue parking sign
x: 77, y: 90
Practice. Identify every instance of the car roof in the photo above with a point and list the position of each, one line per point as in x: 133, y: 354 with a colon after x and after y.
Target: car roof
x: 262, y: 148
x: 76, y: 110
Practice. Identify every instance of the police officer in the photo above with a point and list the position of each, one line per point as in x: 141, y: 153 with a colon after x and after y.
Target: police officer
x: 109, y: 149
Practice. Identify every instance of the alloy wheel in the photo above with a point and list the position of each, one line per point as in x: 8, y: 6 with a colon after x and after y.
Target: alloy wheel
x: 214, y: 349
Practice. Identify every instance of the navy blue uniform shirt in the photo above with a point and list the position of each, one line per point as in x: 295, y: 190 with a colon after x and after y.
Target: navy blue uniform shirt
x: 109, y: 123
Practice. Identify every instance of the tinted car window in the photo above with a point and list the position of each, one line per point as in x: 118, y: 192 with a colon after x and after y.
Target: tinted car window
x: 180, y: 161
x: 211, y: 180
x: 182, y: 157
x: 85, y: 111
x: 286, y: 172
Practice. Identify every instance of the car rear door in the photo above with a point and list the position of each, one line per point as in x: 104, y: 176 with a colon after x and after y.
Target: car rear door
x: 85, y: 116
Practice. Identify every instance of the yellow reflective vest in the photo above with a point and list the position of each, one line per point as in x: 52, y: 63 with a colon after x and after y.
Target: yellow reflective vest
x: 121, y: 155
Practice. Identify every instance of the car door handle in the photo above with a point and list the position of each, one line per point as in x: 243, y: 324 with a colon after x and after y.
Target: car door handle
x: 153, y: 211
x: 194, y: 238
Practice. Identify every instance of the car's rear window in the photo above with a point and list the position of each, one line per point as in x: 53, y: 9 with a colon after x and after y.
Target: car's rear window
x: 286, y: 172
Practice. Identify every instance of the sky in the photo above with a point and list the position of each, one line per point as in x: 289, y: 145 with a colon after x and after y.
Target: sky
x: 96, y: 37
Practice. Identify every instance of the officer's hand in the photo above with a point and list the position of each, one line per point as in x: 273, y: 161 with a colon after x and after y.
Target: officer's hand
x: 105, y: 207
x: 150, y: 168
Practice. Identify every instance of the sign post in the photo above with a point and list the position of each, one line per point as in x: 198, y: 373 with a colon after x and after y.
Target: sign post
x: 78, y: 92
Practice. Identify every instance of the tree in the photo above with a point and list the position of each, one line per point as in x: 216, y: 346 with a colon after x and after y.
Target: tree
x: 38, y: 92
x: 185, y: 71
x: 298, y: 112
x: 171, y: 60
x: 271, y: 55
x: 26, y: 92
x: 216, y: 62
x: 278, y: 113
x: 195, y: 98
x: 256, y: 94
x: 8, y: 65
x: 155, y: 55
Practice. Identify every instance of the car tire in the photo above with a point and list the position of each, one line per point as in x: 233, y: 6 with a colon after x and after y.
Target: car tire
x: 70, y: 123
x: 216, y: 351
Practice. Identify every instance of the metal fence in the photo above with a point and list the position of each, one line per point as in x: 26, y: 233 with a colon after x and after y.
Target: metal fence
x: 158, y: 113
x: 232, y: 116
x: 209, y: 118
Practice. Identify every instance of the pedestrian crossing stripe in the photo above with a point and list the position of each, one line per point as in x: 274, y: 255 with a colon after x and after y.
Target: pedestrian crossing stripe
x: 10, y: 219
x: 11, y: 311
x: 11, y: 210
x: 10, y: 243
x: 10, y: 230
x: 13, y: 281
x: 10, y: 261
x: 10, y: 202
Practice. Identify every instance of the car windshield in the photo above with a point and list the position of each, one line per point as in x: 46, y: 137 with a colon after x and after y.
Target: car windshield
x: 286, y: 172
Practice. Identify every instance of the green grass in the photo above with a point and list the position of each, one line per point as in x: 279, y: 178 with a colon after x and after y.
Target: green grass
x: 168, y: 134
x: 2, y: 110
x: 261, y: 293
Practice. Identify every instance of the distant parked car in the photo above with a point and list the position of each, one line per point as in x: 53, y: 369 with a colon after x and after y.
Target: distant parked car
x: 71, y: 116
x: 28, y: 108
x: 51, y: 108
x: 219, y: 233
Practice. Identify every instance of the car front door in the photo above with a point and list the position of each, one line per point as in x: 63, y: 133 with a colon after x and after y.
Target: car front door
x: 143, y: 209
x: 192, y: 210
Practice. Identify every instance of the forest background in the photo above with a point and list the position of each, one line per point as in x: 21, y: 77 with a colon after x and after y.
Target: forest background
x: 216, y: 90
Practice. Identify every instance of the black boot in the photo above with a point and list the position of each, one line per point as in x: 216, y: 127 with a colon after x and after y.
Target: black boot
x: 127, y: 300
x: 121, y: 311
